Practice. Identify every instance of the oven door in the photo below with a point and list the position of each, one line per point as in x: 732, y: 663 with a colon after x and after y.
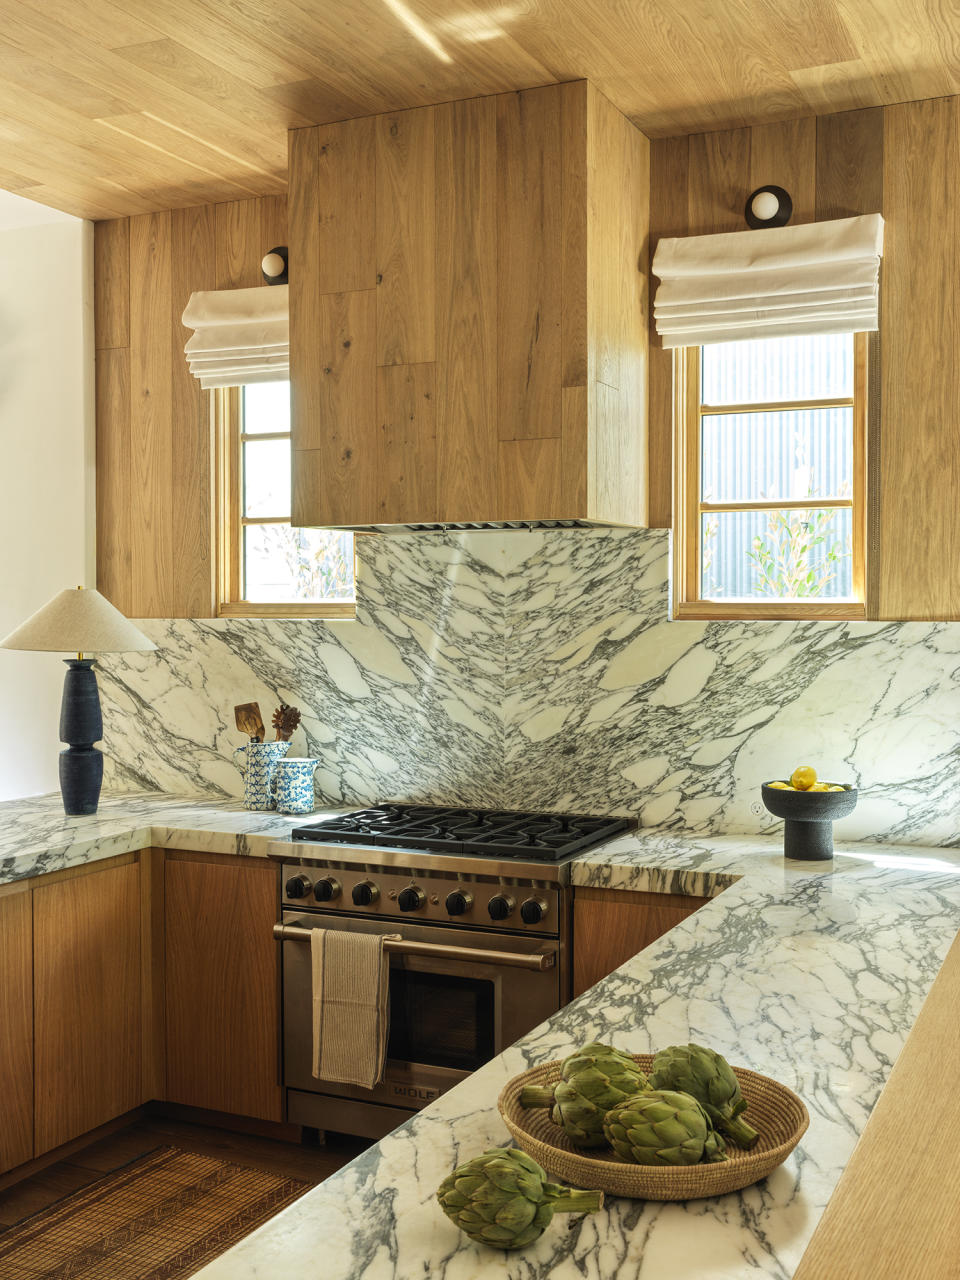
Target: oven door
x: 448, y: 1014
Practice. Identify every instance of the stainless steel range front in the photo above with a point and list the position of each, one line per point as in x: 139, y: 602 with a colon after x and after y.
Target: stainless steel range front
x: 481, y: 901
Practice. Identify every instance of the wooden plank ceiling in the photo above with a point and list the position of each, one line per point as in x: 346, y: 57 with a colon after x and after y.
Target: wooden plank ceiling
x: 113, y: 107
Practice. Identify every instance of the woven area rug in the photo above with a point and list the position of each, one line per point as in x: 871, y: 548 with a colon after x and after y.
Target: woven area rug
x: 161, y: 1217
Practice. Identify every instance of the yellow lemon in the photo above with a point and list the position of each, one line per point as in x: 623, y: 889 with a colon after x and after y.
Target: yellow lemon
x: 779, y: 786
x: 836, y: 788
x: 804, y: 777
x: 819, y: 786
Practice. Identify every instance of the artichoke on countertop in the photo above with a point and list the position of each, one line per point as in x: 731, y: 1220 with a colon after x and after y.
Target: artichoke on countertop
x: 708, y: 1077
x: 663, y: 1126
x: 503, y: 1199
x: 593, y: 1080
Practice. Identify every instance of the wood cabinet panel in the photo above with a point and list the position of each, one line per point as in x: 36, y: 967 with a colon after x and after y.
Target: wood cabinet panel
x: 467, y: 310
x: 407, y: 419
x: 610, y: 926
x: 346, y: 230
x: 531, y: 478
x: 920, y: 306
x: 406, y: 237
x: 529, y: 299
x: 222, y: 993
x: 87, y: 1002
x: 16, y: 1028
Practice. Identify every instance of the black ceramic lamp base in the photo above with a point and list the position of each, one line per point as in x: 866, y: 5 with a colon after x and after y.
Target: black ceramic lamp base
x: 808, y: 819
x: 81, y: 725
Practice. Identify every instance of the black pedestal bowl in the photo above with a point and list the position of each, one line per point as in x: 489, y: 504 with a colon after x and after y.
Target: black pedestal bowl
x: 808, y: 818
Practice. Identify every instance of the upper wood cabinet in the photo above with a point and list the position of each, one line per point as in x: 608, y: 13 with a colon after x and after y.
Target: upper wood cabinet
x: 468, y: 313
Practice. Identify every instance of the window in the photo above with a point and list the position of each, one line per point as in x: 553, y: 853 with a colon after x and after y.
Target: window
x: 267, y: 567
x: 770, y: 494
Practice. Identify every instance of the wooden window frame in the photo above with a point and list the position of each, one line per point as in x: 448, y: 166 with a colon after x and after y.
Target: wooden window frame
x: 687, y: 507
x: 228, y: 438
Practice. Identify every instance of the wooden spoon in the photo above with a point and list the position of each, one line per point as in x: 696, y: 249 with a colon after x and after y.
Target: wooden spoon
x: 249, y: 720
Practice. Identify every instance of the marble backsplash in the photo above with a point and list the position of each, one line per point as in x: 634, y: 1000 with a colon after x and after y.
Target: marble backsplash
x: 539, y: 669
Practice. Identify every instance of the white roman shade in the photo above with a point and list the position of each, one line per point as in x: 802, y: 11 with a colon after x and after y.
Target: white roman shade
x: 822, y: 277
x: 239, y: 335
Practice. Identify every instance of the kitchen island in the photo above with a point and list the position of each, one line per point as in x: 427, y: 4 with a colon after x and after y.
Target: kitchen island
x: 814, y: 974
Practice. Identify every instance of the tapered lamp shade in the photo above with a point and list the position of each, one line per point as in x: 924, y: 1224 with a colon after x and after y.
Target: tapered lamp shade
x: 79, y: 622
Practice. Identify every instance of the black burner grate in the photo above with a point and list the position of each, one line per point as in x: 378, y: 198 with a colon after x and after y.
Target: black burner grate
x: 542, y: 837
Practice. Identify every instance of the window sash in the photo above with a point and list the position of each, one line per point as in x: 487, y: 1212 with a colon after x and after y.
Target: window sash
x: 689, y: 507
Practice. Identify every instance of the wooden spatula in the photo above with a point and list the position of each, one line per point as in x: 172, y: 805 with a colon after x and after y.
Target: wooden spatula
x: 249, y: 720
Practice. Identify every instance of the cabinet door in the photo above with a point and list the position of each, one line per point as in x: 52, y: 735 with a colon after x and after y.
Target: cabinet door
x: 87, y: 1006
x: 222, y: 990
x: 16, y: 1029
x: 610, y: 926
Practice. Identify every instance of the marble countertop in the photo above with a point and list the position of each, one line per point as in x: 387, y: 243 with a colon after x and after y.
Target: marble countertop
x: 808, y: 973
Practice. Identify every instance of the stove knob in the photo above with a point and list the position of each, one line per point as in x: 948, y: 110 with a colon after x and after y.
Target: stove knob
x: 411, y: 898
x: 297, y: 887
x: 533, y: 910
x: 458, y: 902
x: 500, y: 906
x: 327, y: 889
x: 365, y: 893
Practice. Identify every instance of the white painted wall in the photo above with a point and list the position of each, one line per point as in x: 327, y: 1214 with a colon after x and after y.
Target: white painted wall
x: 47, y: 443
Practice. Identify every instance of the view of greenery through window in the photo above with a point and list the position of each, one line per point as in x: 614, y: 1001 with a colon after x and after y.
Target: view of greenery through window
x: 282, y: 565
x: 776, y: 499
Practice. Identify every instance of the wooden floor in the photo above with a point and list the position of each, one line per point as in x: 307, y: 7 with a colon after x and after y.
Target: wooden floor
x: 311, y: 1164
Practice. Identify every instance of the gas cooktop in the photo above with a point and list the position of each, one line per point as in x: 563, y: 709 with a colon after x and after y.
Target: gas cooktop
x: 541, y: 837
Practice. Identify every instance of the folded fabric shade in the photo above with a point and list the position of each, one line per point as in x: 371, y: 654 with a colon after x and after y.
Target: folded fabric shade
x: 821, y: 277
x: 240, y: 336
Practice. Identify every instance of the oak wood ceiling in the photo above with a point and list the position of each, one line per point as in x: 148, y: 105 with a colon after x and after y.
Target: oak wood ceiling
x: 114, y: 107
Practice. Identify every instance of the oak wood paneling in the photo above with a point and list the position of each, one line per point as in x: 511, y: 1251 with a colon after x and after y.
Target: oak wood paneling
x: 155, y: 508
x: 785, y: 155
x: 850, y: 163
x: 718, y: 181
x: 880, y: 1227
x: 920, y: 463
x: 16, y: 1021
x: 531, y: 478
x: 573, y: 264
x: 305, y: 355
x: 406, y: 237
x: 529, y: 213
x: 87, y: 1004
x: 407, y: 461
x: 222, y: 993
x: 611, y: 926
x: 467, y: 434
x: 346, y: 164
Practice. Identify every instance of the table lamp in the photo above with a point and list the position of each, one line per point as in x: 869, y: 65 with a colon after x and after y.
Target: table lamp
x: 80, y: 622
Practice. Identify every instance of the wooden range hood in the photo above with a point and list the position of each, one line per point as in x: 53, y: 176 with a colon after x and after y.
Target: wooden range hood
x: 468, y: 314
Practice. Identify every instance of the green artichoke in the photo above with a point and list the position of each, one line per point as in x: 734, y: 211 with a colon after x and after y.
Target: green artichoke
x: 503, y: 1199
x: 593, y: 1080
x: 662, y: 1126
x: 709, y: 1078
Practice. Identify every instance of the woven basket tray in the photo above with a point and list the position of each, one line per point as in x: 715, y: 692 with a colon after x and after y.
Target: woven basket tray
x: 772, y: 1109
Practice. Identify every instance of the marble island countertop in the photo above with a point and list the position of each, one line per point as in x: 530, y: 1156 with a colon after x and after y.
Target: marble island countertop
x: 812, y: 973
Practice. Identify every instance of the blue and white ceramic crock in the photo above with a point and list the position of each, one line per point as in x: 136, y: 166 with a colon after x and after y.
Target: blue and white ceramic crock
x: 295, y: 785
x: 258, y: 761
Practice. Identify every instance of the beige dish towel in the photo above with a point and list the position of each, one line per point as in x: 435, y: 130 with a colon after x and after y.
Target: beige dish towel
x: 351, y: 1016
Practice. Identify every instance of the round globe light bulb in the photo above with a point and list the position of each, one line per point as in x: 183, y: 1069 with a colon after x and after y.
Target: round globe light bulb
x: 765, y: 206
x: 274, y: 265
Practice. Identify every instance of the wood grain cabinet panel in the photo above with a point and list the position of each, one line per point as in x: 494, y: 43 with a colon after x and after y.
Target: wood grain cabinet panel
x: 610, y: 926
x: 87, y: 1002
x: 222, y: 991
x: 509, y: 240
x: 16, y: 1028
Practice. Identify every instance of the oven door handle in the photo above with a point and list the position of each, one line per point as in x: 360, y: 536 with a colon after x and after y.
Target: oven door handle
x: 514, y: 959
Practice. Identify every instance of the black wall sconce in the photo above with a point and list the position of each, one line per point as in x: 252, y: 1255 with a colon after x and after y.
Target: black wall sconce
x: 273, y: 265
x: 768, y: 207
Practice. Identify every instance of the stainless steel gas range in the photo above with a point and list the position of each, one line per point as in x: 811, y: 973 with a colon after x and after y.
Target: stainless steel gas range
x: 481, y: 900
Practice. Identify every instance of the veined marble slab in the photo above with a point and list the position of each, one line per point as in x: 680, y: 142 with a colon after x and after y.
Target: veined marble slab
x: 540, y: 670
x: 812, y: 976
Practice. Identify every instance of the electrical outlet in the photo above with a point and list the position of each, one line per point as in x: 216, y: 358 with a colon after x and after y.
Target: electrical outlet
x: 757, y: 809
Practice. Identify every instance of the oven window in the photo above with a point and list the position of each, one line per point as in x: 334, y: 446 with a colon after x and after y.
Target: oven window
x: 440, y: 1020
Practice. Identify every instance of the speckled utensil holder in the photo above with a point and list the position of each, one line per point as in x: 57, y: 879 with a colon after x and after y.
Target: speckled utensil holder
x: 808, y: 818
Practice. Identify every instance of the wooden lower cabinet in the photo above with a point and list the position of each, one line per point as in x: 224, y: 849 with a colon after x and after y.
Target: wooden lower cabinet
x: 611, y: 925
x: 16, y: 1028
x: 222, y: 989
x: 87, y: 1002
